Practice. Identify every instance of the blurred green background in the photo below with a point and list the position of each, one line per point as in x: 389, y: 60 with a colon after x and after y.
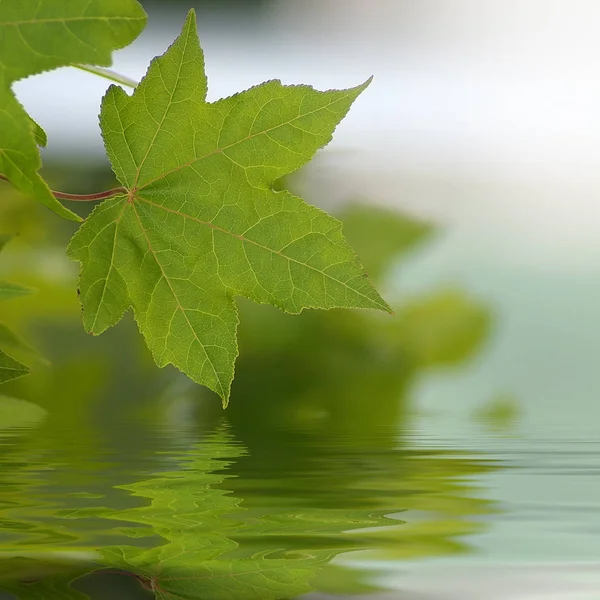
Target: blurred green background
x: 360, y: 446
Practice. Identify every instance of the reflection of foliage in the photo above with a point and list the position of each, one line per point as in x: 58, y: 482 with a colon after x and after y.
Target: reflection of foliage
x: 195, y: 519
x: 272, y: 544
x: 16, y: 413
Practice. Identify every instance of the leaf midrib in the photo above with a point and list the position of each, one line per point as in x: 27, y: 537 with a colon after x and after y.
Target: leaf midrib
x: 111, y: 267
x: 67, y: 20
x: 167, y: 109
x: 179, y: 306
x: 245, y: 239
x: 235, y: 143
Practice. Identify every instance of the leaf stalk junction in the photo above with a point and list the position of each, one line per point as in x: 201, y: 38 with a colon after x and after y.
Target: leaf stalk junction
x: 84, y: 197
x: 116, y: 78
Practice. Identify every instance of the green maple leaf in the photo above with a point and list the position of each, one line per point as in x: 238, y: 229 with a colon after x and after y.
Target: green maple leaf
x: 39, y: 35
x: 200, y: 222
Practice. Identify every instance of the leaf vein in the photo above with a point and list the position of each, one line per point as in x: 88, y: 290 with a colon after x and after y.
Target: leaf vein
x: 233, y: 144
x: 176, y: 298
x: 243, y: 239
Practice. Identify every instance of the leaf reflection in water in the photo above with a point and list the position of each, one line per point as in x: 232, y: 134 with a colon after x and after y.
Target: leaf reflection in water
x: 271, y: 538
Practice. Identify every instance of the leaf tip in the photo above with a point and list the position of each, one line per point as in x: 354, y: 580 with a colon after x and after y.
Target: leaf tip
x: 385, y: 307
x: 190, y: 20
x: 224, y: 392
x: 69, y: 215
x: 363, y: 86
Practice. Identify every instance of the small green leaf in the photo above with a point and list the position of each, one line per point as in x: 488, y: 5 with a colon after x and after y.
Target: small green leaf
x: 36, y: 36
x: 9, y: 340
x: 13, y: 290
x: 10, y: 368
x: 201, y: 223
x: 41, y: 139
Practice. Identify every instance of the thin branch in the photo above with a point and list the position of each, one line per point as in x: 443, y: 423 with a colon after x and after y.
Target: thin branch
x: 107, y: 74
x: 84, y: 197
